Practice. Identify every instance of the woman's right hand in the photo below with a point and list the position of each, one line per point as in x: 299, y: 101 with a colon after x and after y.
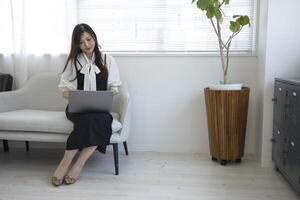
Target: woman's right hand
x: 66, y: 94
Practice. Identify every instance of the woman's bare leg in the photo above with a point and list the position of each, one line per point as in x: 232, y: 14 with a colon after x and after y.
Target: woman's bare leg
x: 63, y: 166
x: 78, y: 165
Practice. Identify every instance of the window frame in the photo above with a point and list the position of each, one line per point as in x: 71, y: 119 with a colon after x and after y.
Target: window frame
x: 252, y: 53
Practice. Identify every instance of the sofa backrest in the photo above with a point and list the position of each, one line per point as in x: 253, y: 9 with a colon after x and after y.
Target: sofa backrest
x: 42, y: 92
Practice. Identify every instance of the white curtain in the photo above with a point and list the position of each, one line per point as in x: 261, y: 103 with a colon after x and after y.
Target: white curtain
x: 35, y: 36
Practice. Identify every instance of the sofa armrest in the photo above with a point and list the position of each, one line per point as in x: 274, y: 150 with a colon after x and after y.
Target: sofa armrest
x: 12, y: 100
x: 125, y: 114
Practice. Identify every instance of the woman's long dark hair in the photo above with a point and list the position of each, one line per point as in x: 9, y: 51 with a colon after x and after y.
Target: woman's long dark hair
x: 79, y: 29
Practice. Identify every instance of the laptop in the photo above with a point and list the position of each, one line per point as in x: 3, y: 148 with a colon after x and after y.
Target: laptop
x: 81, y: 101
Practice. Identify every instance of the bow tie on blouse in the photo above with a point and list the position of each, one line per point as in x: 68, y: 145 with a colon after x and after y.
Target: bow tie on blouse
x: 90, y: 70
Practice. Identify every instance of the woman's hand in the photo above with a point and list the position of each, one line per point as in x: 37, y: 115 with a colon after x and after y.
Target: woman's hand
x: 66, y: 94
x: 114, y: 90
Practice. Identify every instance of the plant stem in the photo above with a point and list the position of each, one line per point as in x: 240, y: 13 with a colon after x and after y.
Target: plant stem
x: 221, y: 4
x: 215, y: 29
x: 213, y: 24
x: 221, y: 52
x: 227, y: 46
x: 227, y: 58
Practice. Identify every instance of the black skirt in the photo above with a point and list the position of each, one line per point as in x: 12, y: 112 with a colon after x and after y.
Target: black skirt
x: 90, y: 129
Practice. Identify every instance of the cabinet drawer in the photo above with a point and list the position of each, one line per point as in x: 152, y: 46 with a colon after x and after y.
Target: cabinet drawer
x: 293, y: 111
x: 292, y: 164
x: 278, y: 146
x: 279, y: 103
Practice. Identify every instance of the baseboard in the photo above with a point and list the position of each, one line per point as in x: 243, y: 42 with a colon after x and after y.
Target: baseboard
x: 131, y: 148
x: 267, y: 163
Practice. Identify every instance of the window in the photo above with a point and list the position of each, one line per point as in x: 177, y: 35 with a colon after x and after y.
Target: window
x: 45, y: 26
x: 161, y: 25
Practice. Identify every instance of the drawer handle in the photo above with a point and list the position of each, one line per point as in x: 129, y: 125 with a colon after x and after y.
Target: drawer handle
x: 292, y: 144
x: 280, y: 89
x: 278, y: 132
x: 294, y: 94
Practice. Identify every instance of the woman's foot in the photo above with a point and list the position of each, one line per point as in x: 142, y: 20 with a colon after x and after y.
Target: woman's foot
x: 69, y: 180
x: 61, y: 170
x: 73, y: 174
x: 55, y: 181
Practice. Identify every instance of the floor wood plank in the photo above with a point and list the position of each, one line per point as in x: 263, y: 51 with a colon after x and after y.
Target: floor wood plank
x: 143, y: 175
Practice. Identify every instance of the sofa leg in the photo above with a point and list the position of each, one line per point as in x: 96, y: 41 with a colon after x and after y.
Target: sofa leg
x: 5, y: 146
x: 27, y: 145
x: 116, y: 158
x: 125, y: 147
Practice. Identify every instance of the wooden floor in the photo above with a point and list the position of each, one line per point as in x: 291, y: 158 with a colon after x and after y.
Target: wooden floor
x: 149, y: 176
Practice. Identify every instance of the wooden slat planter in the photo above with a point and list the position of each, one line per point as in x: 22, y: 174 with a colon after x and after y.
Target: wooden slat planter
x: 227, y: 118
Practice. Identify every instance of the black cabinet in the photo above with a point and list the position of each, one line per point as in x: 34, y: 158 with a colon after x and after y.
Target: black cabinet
x: 286, y: 129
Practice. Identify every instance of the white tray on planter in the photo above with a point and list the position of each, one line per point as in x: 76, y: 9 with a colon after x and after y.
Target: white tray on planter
x: 235, y: 86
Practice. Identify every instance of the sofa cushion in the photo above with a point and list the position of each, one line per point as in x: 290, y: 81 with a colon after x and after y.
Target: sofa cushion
x: 42, y: 121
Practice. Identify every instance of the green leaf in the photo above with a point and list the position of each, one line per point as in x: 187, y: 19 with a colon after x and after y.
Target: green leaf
x: 234, y: 26
x: 235, y: 16
x: 218, y: 14
x: 227, y: 1
x: 211, y: 11
x: 204, y: 4
x: 243, y: 20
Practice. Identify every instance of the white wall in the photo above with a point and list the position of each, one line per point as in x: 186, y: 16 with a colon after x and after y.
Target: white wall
x: 261, y: 52
x: 168, y: 99
x: 169, y: 110
x: 282, y: 60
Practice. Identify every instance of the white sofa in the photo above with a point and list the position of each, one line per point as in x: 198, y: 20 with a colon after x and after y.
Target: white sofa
x: 36, y: 112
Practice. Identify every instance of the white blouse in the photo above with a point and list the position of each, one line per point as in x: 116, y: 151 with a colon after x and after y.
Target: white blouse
x: 89, y: 69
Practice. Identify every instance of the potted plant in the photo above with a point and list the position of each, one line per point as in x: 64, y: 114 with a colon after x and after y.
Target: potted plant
x: 226, y: 104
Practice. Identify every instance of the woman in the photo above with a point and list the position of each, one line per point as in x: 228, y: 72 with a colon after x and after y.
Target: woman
x: 86, y: 69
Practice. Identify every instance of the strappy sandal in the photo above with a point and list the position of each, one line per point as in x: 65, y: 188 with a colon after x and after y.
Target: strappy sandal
x: 56, y: 182
x: 69, y: 180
